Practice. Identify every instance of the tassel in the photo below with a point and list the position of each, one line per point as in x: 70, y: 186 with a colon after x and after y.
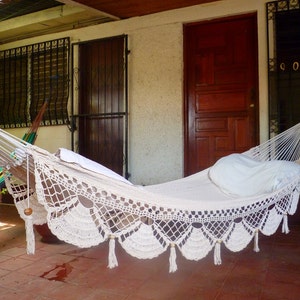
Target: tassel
x: 285, y: 225
x: 29, y: 235
x: 172, y: 259
x: 217, y: 253
x: 112, y: 259
x: 28, y: 218
x: 295, y: 195
x: 256, y: 248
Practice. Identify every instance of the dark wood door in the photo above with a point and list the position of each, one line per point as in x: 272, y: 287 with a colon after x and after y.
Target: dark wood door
x: 102, y: 102
x: 221, y: 89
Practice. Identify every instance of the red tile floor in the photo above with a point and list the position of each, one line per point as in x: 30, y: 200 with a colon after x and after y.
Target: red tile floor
x: 62, y: 271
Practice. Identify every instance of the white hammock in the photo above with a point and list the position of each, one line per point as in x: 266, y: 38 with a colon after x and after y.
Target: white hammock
x: 86, y: 204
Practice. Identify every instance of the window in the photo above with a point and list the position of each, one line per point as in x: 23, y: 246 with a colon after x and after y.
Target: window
x: 31, y: 75
x: 283, y: 24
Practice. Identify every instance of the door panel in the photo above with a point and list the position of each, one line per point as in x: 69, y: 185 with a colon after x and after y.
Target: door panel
x: 220, y: 90
x: 102, y: 102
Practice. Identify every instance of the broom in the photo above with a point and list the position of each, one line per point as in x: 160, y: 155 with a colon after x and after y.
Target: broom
x: 31, y: 135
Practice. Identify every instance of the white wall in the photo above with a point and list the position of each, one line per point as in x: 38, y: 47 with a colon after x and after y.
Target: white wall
x: 156, y: 84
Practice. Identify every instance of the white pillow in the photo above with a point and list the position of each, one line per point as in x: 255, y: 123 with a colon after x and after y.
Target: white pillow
x: 238, y: 174
x: 72, y: 157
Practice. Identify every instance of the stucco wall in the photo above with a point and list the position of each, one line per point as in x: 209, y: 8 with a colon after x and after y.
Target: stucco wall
x: 156, y: 103
x: 156, y: 85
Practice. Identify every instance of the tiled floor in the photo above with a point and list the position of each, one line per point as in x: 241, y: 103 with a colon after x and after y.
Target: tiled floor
x: 62, y: 271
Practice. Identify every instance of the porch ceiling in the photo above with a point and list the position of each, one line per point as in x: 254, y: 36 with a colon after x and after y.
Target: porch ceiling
x: 21, y: 19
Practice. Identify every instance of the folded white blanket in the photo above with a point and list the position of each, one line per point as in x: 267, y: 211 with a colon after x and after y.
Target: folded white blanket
x: 72, y: 157
x: 238, y: 174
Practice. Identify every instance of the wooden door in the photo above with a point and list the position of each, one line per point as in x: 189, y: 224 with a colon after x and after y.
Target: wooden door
x: 102, y: 118
x: 221, y: 89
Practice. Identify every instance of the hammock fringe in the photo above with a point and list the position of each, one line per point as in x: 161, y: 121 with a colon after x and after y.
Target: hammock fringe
x: 30, y: 238
x: 112, y: 258
x: 217, y: 253
x: 285, y: 225
x: 256, y: 247
x: 172, y: 259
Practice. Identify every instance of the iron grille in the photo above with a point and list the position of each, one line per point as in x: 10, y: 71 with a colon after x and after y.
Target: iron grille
x: 31, y: 75
x: 283, y: 20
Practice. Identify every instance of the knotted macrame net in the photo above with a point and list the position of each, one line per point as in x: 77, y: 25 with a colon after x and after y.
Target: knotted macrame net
x: 192, y: 215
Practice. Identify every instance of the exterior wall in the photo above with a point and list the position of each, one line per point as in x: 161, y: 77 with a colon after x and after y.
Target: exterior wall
x: 156, y: 84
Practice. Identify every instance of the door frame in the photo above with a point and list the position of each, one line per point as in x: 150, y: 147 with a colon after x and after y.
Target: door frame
x: 185, y: 85
x: 74, y: 106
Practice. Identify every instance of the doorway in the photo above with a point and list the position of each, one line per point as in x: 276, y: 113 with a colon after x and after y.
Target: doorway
x: 102, y: 102
x: 221, y: 89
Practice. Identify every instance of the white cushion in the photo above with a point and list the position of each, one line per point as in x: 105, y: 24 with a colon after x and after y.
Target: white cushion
x: 238, y: 174
x: 72, y: 157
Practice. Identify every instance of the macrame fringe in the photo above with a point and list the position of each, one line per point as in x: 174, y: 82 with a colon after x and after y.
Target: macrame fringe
x: 172, y: 259
x: 28, y: 218
x: 295, y: 194
x: 285, y: 225
x: 217, y: 253
x: 256, y: 247
x: 30, y: 239
x: 112, y: 259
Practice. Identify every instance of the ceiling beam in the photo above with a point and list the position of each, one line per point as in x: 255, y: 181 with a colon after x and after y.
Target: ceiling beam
x: 41, y: 17
x: 89, y: 8
x: 56, y: 19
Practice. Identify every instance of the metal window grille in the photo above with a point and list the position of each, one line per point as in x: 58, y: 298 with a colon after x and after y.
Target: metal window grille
x: 283, y: 64
x: 31, y: 75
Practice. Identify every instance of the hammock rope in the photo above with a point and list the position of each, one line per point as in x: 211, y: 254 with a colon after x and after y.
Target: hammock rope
x: 18, y: 155
x: 191, y: 215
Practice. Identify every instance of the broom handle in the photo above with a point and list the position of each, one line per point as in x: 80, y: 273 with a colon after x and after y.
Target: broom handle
x: 30, y: 135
